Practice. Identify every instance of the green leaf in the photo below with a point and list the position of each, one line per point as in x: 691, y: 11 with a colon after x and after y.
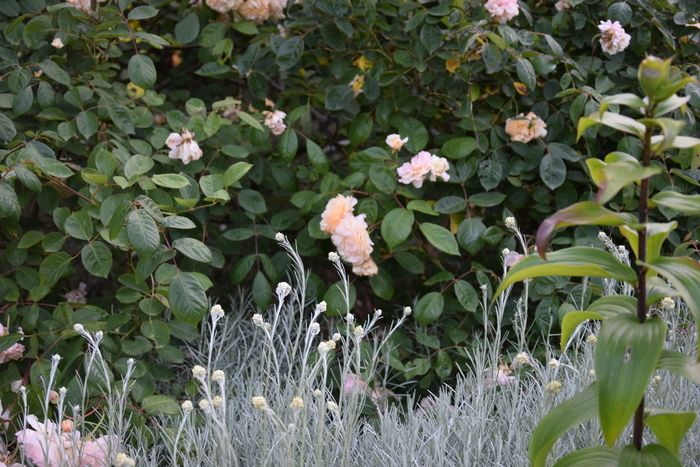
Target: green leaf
x: 53, y: 167
x: 583, y: 213
x: 288, y: 144
x: 29, y: 239
x: 625, y: 358
x: 684, y: 276
x: 193, y: 249
x: 656, y: 236
x: 178, y: 222
x: 236, y: 172
x: 577, y: 261
x: 469, y: 234
x: 383, y: 178
x: 79, y: 225
x: 338, y: 97
x: 604, y: 307
x: 459, y: 148
x: 627, y: 99
x: 651, y: 455
x: 187, y: 29
x: 97, y: 258
x: 160, y: 405
x: 252, y: 201
x: 289, y: 52
x: 618, y: 171
x: 552, y: 171
x: 598, y: 456
x: 261, y: 290
x: 440, y: 238
x: 360, y: 128
x: 670, y: 427
x: 187, y: 297
x: 9, y: 203
x: 142, y: 71
x: 55, y: 72
x: 142, y: 231
x: 526, y: 73
x: 680, y: 364
x: 54, y: 266
x: 86, y: 122
x: 579, y: 409
x: 397, y: 226
x: 142, y: 12
x: 137, y: 165
x: 431, y: 37
x: 467, y: 295
x: 249, y: 120
x: 429, y: 308
x: 686, y: 204
x: 175, y: 181
x: 382, y: 285
x: 121, y: 117
x: 613, y: 120
x: 7, y: 128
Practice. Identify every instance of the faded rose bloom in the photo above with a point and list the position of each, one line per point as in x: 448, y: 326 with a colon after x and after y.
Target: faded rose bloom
x: 183, y: 146
x: 275, y: 121
x: 14, y: 352
x: 57, y: 43
x: 395, y: 142
x: 262, y: 10
x: 512, y: 258
x: 613, y: 38
x: 357, y: 84
x: 502, y: 10
x: 352, y: 240
x: 500, y: 377
x: 438, y: 168
x: 525, y: 128
x: 414, y: 171
x: 43, y: 442
x: 83, y: 5
x: 336, y: 210
x: 367, y: 268
x: 562, y: 5
x: 223, y: 6
x: 77, y: 295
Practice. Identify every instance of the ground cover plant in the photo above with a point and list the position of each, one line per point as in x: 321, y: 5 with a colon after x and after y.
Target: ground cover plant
x: 157, y: 152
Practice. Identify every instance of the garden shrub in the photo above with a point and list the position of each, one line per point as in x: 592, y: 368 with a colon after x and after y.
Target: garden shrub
x: 100, y: 226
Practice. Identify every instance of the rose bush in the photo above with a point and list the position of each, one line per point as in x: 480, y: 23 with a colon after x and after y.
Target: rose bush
x: 154, y: 148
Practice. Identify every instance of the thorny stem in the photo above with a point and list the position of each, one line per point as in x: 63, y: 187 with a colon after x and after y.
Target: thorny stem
x: 638, y: 426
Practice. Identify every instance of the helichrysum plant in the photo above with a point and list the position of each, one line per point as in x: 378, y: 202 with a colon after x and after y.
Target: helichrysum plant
x: 630, y: 344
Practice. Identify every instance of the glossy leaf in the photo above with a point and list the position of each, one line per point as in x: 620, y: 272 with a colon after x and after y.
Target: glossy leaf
x: 570, y: 413
x: 680, y: 364
x: 612, y: 120
x: 625, y: 358
x: 651, y: 455
x: 687, y: 204
x: 440, y: 238
x: 656, y: 236
x: 574, y: 261
x: 160, y: 405
x: 670, y: 427
x: 583, y: 213
x: 598, y: 456
x: 193, y: 249
x: 96, y: 258
x: 684, y: 276
x: 604, y: 307
x: 397, y: 226
x: 142, y: 231
x: 187, y: 297
x: 611, y: 177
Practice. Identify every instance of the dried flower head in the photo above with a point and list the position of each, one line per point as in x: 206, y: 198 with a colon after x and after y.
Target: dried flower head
x: 258, y: 320
x: 407, y: 310
x: 554, y: 363
x: 218, y: 376
x: 199, y: 372
x: 123, y: 460
x: 591, y: 339
x: 553, y: 387
x: 523, y: 358
x: 259, y: 402
x: 217, y: 312
x: 187, y: 406
x: 183, y: 146
x: 333, y: 257
x: 668, y: 303
x: 359, y: 332
x: 274, y: 120
x: 57, y: 43
x: 297, y: 403
x: 217, y: 402
x: 283, y: 289
x: 525, y: 128
x: 314, y: 329
x: 511, y: 223
x: 279, y: 236
x: 321, y: 307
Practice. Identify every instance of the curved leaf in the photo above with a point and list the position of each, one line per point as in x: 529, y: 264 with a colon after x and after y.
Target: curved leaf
x: 142, y: 231
x: 651, y: 455
x: 687, y: 204
x: 625, y: 358
x: 187, y: 297
x: 670, y: 427
x: 577, y: 261
x: 599, y: 456
x: 612, y: 120
x: 97, y: 258
x: 579, y: 409
x: 656, y: 236
x: 583, y: 213
x: 440, y: 238
x: 680, y: 364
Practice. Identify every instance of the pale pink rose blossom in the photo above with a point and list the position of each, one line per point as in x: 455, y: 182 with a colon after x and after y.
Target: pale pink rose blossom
x: 223, y: 6
x: 336, y: 210
x: 354, y: 384
x: 57, y: 43
x: 438, y: 168
x: 47, y: 446
x: 414, y: 171
x: 613, y: 38
x: 14, y: 352
x: 562, y: 5
x: 352, y: 240
x: 500, y: 377
x: 183, y: 146
x: 395, y: 142
x: 502, y: 10
x: 275, y: 121
x: 525, y: 128
x: 83, y: 5
x: 262, y: 10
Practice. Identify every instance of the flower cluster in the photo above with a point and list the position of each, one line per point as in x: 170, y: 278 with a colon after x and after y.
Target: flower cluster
x: 14, y: 352
x: 349, y: 234
x: 502, y: 10
x: 183, y: 146
x: 613, y: 38
x: 423, y: 165
x: 47, y: 445
x: 525, y: 128
x: 257, y: 11
x: 274, y: 120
